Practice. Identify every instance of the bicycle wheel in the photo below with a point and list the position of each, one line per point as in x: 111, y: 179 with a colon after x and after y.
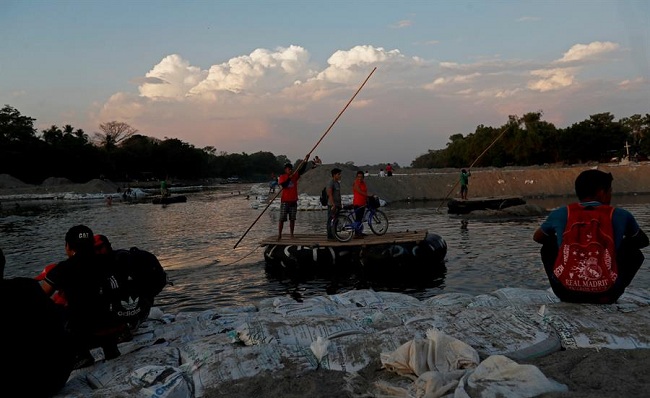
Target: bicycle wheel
x: 378, y: 223
x: 343, y: 227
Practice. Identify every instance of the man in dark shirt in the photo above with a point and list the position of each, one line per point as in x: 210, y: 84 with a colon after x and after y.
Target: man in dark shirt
x: 80, y: 278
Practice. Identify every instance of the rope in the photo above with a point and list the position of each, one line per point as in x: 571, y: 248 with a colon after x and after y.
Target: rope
x: 236, y: 261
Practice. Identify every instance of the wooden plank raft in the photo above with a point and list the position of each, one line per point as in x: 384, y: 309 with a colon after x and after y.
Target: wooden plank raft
x: 321, y: 239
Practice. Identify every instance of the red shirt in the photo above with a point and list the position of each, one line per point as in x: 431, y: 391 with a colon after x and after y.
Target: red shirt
x: 359, y: 199
x: 290, y: 192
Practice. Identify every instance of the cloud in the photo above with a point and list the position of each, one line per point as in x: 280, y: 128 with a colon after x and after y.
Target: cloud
x: 552, y: 79
x: 171, y: 78
x: 635, y: 84
x: 586, y: 52
x: 279, y: 100
x: 405, y: 23
x: 260, y: 72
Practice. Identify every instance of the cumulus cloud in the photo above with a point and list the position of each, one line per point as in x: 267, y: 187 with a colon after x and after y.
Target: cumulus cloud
x: 172, y: 78
x: 259, y: 72
x: 552, y: 79
x: 277, y: 99
x: 586, y: 52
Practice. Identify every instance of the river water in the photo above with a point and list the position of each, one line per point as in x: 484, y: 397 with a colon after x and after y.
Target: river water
x: 195, y: 243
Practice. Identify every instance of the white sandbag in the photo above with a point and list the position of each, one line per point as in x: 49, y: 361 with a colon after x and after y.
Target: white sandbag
x: 600, y: 326
x: 438, y: 352
x: 119, y: 371
x: 162, y: 381
x: 499, y: 376
x: 296, y: 331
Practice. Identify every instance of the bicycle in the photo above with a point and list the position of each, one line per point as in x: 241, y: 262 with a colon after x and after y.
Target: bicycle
x: 345, y: 225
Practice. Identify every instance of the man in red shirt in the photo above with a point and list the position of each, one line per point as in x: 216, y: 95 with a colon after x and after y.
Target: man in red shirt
x: 359, y: 200
x: 289, y: 200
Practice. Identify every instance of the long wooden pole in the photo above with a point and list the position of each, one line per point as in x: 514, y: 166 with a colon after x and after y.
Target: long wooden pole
x: 473, y: 163
x: 309, y: 153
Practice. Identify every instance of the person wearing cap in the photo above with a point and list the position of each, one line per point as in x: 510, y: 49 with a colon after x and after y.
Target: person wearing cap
x: 80, y: 278
x: 102, y: 246
x: 334, y: 201
x: 289, y: 200
x: 29, y: 316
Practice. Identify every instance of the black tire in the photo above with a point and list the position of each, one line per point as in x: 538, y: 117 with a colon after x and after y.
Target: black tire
x: 343, y: 227
x: 379, y: 223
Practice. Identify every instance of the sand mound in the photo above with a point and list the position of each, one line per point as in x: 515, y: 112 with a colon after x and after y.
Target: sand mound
x: 7, y: 181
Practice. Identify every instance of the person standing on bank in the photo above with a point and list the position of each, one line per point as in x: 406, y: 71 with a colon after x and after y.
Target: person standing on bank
x: 164, y: 189
x: 602, y: 274
x: 334, y: 201
x: 289, y: 200
x: 359, y: 200
x: 464, y: 183
x: 389, y: 170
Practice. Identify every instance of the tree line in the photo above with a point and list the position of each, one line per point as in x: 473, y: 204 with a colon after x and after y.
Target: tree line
x: 119, y: 153
x: 529, y: 140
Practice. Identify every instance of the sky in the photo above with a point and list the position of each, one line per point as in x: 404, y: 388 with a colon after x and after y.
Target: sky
x: 279, y: 76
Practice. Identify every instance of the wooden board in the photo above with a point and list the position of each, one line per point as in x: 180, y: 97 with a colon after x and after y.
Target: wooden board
x: 321, y: 239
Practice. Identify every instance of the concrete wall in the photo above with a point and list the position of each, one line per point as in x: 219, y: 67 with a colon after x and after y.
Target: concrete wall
x: 526, y: 182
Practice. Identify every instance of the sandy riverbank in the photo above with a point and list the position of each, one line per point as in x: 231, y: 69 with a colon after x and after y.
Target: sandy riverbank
x: 527, y: 182
x: 406, y: 184
x: 588, y: 373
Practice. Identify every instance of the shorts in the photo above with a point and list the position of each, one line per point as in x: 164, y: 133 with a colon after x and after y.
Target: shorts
x: 288, y: 209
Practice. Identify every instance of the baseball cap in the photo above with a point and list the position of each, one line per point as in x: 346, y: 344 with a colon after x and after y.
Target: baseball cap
x: 80, y: 238
x: 289, y: 165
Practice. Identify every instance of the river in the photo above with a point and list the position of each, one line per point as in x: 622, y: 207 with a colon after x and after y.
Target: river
x: 195, y: 243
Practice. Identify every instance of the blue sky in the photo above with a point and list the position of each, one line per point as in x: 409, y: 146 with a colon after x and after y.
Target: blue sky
x: 248, y: 76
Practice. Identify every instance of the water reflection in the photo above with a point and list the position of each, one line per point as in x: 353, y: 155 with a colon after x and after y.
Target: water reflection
x: 195, y: 243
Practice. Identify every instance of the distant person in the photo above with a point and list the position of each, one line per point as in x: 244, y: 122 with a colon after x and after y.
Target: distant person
x: 389, y: 170
x: 273, y: 183
x: 464, y: 183
x: 366, y: 173
x: 334, y: 202
x: 164, y: 188
x: 289, y: 201
x: 359, y: 200
x: 317, y: 161
x: 35, y: 346
x: 382, y: 173
x: 591, y: 250
x: 80, y: 278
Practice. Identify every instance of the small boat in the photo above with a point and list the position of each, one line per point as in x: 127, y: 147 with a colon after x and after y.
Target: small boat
x: 405, y: 254
x: 169, y: 199
x: 456, y: 206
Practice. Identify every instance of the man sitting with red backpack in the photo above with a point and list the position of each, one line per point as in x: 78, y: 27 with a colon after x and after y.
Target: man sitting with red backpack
x: 591, y: 250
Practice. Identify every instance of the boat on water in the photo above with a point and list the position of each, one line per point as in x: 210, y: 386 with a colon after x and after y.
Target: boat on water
x: 456, y: 206
x: 169, y: 199
x: 409, y: 253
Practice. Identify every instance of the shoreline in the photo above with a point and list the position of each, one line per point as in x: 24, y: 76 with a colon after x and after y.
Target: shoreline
x: 406, y: 185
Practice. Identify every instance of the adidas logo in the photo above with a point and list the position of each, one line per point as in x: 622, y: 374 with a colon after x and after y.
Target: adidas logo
x: 130, y: 304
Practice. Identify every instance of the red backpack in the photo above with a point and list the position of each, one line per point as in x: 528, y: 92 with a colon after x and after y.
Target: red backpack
x: 586, y: 261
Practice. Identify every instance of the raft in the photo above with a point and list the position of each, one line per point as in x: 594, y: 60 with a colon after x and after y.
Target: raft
x: 169, y: 199
x: 456, y: 206
x: 406, y: 254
